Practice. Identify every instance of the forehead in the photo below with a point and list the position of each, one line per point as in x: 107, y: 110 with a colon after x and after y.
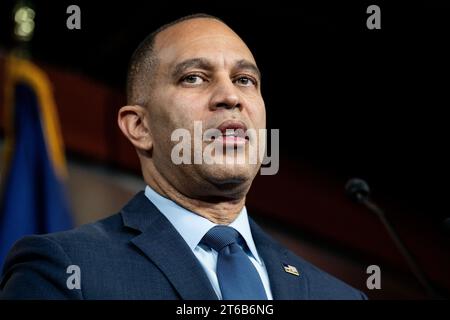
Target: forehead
x: 203, y: 37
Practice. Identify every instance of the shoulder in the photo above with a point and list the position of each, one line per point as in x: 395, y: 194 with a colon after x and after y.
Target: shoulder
x: 100, y: 233
x: 324, y: 286
x: 36, y: 265
x: 318, y: 284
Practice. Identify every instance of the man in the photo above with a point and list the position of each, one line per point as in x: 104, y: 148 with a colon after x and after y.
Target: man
x: 188, y: 235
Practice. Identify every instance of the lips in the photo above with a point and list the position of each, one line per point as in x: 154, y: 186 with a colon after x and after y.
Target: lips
x: 233, y: 127
x: 233, y: 132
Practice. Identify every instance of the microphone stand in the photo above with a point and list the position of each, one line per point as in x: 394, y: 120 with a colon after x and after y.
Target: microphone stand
x: 359, y: 191
x: 412, y: 264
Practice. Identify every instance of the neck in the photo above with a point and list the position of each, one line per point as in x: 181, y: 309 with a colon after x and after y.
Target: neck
x: 219, y: 210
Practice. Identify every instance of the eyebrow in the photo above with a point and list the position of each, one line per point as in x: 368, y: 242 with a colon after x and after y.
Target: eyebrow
x: 245, y: 64
x: 202, y: 63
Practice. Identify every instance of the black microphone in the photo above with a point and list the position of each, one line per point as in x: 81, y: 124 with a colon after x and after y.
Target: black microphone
x: 358, y: 190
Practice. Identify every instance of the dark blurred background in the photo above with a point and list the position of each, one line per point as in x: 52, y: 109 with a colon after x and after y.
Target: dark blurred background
x: 348, y: 102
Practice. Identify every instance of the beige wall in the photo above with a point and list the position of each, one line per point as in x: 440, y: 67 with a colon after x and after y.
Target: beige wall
x: 95, y: 192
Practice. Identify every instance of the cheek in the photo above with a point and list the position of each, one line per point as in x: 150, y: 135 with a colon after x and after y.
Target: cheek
x: 257, y: 111
x: 190, y: 106
x: 181, y: 109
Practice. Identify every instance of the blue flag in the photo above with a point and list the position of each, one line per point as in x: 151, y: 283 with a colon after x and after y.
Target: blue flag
x: 33, y: 197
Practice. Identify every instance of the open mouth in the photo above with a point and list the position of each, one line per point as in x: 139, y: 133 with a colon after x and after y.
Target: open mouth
x: 233, y: 133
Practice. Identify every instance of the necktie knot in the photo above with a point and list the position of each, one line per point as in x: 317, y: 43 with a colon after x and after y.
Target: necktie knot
x: 219, y: 237
x: 238, y: 277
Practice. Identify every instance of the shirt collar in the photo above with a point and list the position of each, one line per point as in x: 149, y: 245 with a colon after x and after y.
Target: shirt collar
x: 192, y: 227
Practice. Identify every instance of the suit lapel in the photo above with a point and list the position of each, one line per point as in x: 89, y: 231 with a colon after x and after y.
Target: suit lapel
x: 165, y: 247
x: 284, y: 286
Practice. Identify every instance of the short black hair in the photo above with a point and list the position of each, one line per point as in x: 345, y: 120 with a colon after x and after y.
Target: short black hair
x: 143, y: 62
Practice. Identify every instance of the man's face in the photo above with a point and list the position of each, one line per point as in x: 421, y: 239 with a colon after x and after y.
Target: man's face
x: 206, y: 73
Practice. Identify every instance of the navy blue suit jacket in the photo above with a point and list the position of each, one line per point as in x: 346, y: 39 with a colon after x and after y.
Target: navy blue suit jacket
x: 138, y: 254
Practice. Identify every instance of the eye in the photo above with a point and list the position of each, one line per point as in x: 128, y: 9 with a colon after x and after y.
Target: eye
x: 192, y: 79
x: 245, y: 81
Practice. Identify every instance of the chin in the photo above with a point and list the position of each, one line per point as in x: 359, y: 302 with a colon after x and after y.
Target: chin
x: 231, y: 176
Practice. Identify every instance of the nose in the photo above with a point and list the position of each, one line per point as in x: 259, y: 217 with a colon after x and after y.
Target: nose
x: 225, y: 95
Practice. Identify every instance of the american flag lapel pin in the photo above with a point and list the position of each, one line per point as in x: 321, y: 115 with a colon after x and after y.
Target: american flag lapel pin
x: 291, y: 269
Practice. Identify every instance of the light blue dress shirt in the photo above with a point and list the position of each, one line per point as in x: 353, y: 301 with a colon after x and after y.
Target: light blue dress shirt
x: 192, y: 227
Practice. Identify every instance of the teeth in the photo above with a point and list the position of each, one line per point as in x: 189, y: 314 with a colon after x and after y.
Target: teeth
x: 229, y: 134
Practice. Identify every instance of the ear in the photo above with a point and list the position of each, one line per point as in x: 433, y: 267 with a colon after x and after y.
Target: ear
x: 133, y: 121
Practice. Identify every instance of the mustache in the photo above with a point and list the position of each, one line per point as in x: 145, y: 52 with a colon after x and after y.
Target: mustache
x: 228, y: 123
